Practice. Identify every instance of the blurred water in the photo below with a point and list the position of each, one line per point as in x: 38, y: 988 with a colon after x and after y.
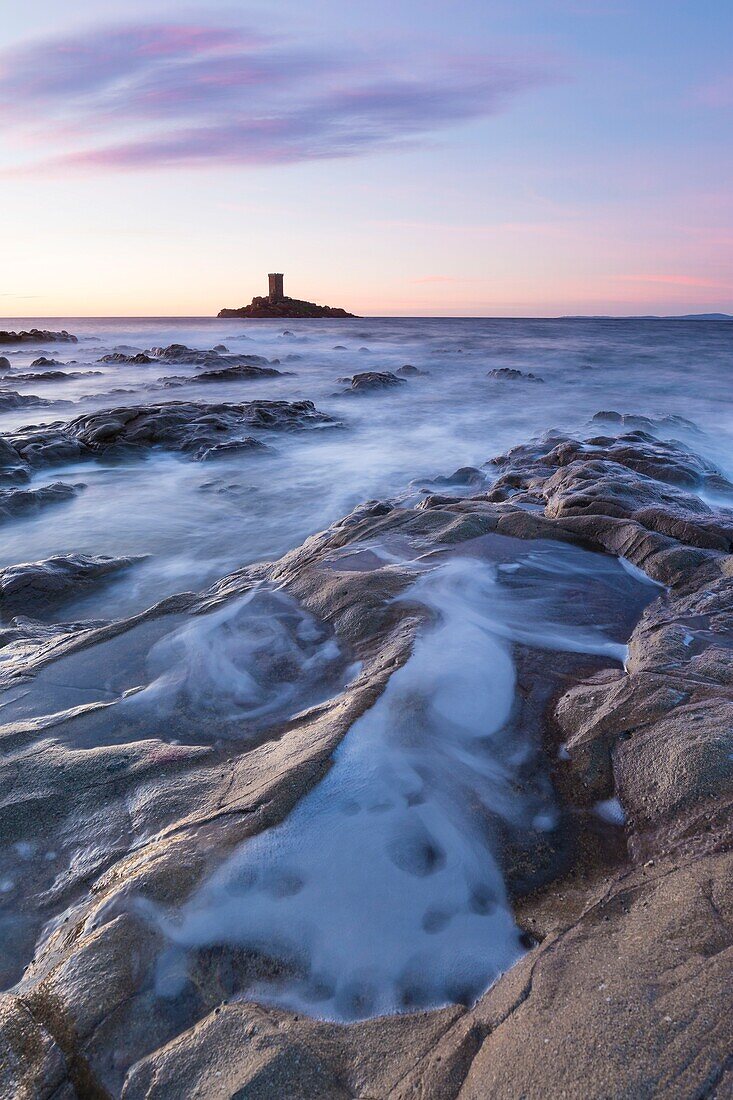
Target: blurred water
x: 198, y: 521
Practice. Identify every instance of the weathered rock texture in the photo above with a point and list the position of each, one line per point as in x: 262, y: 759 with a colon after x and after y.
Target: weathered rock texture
x: 624, y: 993
x: 188, y: 427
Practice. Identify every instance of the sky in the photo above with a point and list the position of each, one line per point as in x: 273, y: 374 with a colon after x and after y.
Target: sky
x: 396, y: 157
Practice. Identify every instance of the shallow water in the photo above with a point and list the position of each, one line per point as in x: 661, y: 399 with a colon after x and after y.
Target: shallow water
x: 199, y: 520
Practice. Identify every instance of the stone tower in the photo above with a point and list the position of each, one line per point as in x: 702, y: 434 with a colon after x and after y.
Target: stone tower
x: 276, y: 288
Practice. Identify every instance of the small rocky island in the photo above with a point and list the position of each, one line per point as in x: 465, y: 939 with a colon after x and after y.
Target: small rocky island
x: 275, y: 304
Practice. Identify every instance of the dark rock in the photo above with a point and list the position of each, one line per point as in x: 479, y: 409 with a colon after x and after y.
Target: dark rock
x: 465, y: 476
x: 15, y: 502
x: 510, y: 374
x: 408, y: 371
x: 138, y: 359
x: 239, y: 372
x: 54, y: 579
x: 372, y: 380
x: 43, y: 361
x: 230, y: 448
x: 5, y: 364
x: 287, y: 307
x: 53, y: 376
x: 9, y: 399
x: 180, y: 354
x: 188, y: 427
x: 37, y: 336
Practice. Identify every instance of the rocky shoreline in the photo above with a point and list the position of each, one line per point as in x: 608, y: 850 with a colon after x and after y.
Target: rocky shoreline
x: 626, y: 930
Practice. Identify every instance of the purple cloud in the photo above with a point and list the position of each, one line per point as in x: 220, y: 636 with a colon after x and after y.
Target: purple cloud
x: 161, y: 95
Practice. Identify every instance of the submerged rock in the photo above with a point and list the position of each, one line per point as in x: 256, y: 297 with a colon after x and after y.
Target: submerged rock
x: 5, y: 364
x: 511, y: 374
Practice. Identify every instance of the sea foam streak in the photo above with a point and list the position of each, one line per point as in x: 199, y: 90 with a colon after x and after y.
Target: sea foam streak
x: 381, y: 890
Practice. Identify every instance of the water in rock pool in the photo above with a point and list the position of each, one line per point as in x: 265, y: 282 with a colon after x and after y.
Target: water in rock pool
x: 381, y: 889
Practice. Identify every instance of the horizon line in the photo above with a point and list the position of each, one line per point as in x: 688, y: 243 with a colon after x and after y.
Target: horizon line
x: 704, y: 315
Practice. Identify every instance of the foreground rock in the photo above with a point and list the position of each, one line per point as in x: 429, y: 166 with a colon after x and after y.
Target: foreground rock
x: 185, y: 426
x: 623, y: 990
x: 37, y: 336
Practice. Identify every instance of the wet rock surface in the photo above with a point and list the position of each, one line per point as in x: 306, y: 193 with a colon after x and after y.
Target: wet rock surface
x: 235, y: 373
x: 15, y: 502
x: 42, y: 583
x: 186, y: 427
x: 50, y: 376
x: 627, y: 928
x: 512, y: 374
x: 11, y: 399
x: 139, y: 358
x: 369, y: 381
x: 36, y: 336
x: 213, y: 359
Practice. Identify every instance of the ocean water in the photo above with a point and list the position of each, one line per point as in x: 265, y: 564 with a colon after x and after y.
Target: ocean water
x: 383, y: 889
x: 198, y: 521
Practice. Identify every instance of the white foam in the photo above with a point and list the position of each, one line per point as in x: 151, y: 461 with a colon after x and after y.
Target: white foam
x: 381, y: 890
x: 257, y: 657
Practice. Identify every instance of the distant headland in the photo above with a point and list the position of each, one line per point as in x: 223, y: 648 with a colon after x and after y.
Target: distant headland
x: 277, y: 305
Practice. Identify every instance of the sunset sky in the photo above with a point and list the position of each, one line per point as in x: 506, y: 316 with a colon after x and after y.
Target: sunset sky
x: 409, y: 157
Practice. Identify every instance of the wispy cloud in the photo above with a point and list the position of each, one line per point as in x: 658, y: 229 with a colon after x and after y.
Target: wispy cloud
x: 674, y: 280
x: 168, y: 94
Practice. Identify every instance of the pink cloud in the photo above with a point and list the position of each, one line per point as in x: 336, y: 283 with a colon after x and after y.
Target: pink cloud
x: 160, y: 95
